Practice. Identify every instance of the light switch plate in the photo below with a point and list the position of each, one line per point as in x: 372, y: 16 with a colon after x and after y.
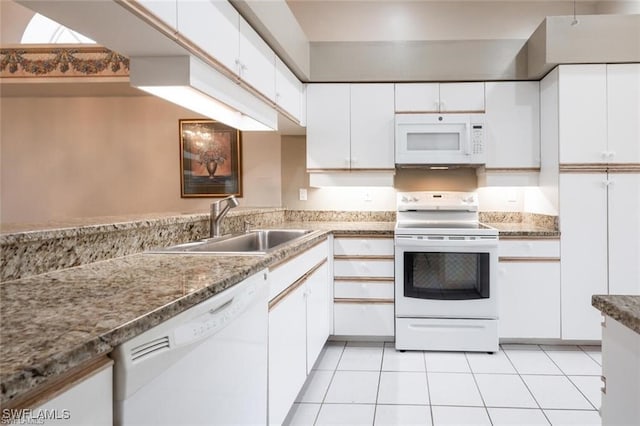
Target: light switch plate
x: 302, y: 194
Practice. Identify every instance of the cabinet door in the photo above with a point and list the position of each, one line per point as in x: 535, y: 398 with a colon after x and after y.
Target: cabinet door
x: 165, y: 10
x: 318, y: 313
x: 89, y: 402
x: 624, y: 233
x: 328, y: 126
x: 513, y: 124
x: 257, y: 61
x: 529, y: 301
x: 288, y: 90
x: 583, y: 252
x: 372, y: 126
x: 583, y: 113
x: 457, y: 97
x: 287, y: 353
x: 417, y: 97
x: 214, y: 27
x: 623, y: 113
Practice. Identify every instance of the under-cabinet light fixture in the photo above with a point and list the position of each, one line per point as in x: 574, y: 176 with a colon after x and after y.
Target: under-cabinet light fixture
x: 192, y: 84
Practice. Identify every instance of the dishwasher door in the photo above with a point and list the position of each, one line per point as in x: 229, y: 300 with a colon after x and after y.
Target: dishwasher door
x: 207, y: 365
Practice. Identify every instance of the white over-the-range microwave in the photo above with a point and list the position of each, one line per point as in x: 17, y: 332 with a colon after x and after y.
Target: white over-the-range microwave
x: 445, y: 139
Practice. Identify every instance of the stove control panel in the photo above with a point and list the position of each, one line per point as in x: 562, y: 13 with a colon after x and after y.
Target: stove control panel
x: 434, y: 200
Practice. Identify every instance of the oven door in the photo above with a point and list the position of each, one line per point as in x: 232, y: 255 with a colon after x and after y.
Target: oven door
x: 446, y: 278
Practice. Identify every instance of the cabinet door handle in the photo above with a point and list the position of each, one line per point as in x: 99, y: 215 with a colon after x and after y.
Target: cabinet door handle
x: 443, y: 106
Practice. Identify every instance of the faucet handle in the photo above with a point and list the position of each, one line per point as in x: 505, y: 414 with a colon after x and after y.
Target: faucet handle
x: 247, y: 225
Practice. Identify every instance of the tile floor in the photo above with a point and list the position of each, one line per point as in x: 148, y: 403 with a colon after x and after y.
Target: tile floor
x: 357, y: 383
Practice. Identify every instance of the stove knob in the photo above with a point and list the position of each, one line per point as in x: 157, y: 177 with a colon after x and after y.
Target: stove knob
x: 404, y: 199
x: 414, y: 199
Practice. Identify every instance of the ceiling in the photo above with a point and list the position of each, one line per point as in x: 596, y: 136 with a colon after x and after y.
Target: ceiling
x: 401, y: 20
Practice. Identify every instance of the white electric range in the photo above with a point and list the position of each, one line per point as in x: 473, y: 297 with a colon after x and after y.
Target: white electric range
x: 445, y: 274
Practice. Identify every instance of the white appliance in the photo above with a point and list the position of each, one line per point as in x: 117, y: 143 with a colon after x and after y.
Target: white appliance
x: 207, y: 365
x: 425, y: 139
x: 446, y: 266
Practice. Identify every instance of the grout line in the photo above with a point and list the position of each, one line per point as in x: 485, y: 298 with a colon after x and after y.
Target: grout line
x: 333, y: 375
x: 426, y: 373
x: 527, y: 386
x: 473, y: 375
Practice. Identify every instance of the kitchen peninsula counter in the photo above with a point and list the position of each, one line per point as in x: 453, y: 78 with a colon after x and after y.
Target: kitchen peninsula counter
x: 622, y: 308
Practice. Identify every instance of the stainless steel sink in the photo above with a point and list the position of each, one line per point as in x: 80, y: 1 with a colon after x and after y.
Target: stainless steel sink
x: 253, y: 242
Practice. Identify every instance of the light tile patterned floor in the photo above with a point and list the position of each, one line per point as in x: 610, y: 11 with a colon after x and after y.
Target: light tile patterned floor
x: 359, y: 383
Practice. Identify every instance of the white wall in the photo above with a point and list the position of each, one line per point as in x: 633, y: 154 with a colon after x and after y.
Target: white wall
x: 79, y: 157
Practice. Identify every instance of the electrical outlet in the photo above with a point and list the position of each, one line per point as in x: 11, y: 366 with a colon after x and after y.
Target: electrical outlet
x: 302, y: 194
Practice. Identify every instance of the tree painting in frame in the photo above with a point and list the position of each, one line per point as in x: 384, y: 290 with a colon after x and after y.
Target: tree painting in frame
x: 210, y: 159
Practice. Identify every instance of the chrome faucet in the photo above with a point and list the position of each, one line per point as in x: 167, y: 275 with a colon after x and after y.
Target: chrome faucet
x: 218, y: 214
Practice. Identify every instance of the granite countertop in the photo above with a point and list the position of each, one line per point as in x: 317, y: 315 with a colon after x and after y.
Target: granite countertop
x: 523, y: 230
x: 622, y: 308
x: 56, y: 321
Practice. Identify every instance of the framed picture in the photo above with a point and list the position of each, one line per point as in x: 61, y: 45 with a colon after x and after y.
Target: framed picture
x: 210, y: 159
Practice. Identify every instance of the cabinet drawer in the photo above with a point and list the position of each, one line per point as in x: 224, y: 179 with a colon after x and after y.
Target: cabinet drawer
x: 529, y: 248
x: 363, y: 268
x: 363, y: 246
x: 285, y: 274
x: 363, y: 289
x: 363, y: 319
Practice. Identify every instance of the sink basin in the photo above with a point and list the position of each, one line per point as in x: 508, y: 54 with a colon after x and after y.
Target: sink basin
x: 253, y: 242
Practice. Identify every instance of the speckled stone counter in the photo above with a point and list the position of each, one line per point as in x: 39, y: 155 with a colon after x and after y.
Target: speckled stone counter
x: 522, y: 225
x: 56, y: 321
x: 624, y: 309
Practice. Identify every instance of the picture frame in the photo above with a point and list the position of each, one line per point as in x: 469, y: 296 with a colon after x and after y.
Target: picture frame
x: 210, y: 159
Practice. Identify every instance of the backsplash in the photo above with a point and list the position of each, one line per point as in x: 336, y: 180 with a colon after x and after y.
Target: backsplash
x: 31, y: 252
x: 39, y: 251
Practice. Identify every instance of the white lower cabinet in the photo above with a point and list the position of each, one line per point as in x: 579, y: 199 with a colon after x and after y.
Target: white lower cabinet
x: 621, y: 374
x: 363, y: 270
x: 287, y: 353
x: 318, y: 313
x: 87, y: 401
x: 529, y: 289
x: 299, y: 325
x: 373, y: 319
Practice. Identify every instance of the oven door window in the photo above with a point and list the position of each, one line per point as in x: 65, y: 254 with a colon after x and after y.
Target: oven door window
x: 446, y: 275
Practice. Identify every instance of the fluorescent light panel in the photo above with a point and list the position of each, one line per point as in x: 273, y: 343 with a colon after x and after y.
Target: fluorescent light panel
x: 194, y: 85
x: 196, y: 101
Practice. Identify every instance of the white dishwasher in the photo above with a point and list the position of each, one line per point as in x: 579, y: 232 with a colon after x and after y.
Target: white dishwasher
x: 207, y: 365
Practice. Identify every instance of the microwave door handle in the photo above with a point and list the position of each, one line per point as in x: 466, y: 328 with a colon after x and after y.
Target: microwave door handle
x: 467, y: 142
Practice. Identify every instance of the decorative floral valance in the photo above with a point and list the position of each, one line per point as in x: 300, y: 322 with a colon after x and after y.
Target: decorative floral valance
x: 62, y: 62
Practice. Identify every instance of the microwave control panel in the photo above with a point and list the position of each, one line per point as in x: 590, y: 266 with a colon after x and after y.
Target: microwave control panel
x: 477, y: 138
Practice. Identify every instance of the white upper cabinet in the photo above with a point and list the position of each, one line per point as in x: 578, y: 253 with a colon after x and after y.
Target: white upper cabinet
x: 513, y: 124
x: 623, y: 113
x: 417, y: 97
x: 467, y: 97
x: 350, y: 126
x: 218, y: 30
x: 328, y: 126
x: 599, y: 106
x: 164, y: 10
x: 439, y: 97
x: 257, y: 61
x: 214, y: 27
x: 288, y: 90
x: 582, y: 105
x: 372, y: 126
